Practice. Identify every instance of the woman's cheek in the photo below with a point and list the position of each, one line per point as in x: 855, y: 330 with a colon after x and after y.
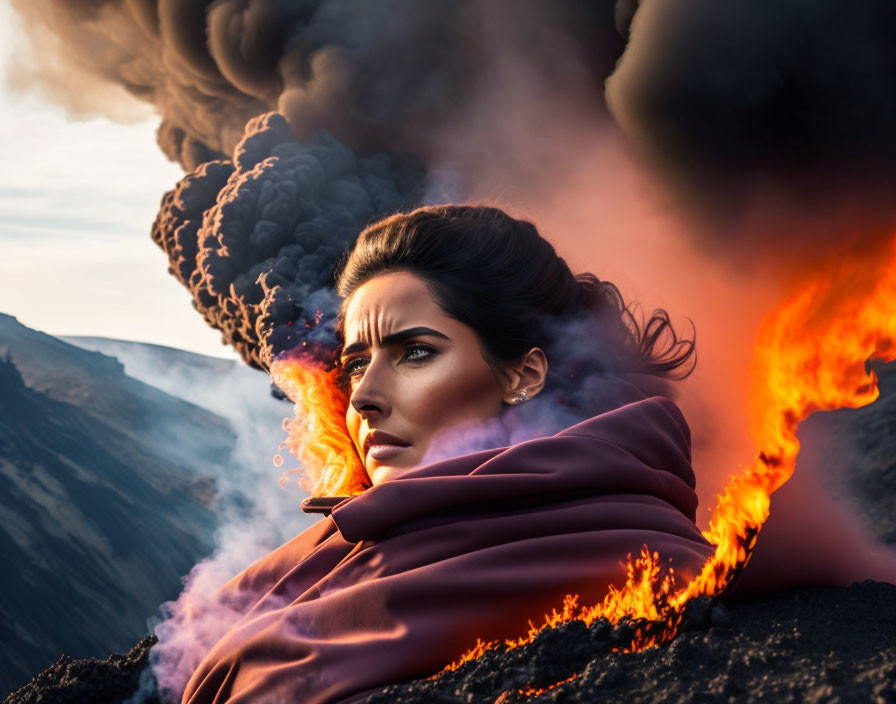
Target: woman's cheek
x: 453, y: 392
x: 353, y: 425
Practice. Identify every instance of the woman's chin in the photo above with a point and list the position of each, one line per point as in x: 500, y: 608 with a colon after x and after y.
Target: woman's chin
x: 385, y: 472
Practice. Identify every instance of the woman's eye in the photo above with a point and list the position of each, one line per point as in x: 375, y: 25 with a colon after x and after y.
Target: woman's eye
x: 354, y: 366
x: 419, y: 352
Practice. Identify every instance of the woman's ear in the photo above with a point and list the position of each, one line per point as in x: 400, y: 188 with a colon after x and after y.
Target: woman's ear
x: 525, y: 379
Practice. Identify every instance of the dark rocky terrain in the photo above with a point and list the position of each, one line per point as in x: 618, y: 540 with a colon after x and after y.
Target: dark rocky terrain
x: 88, y: 681
x: 807, y: 645
x: 817, y: 644
x: 861, y: 442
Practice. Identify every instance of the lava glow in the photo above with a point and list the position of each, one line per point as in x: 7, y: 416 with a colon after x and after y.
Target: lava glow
x: 811, y: 355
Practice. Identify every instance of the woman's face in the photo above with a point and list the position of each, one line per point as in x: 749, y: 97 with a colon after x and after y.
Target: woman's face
x: 413, y: 373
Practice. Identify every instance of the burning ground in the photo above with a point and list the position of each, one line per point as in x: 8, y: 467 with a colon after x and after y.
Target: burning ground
x: 817, y: 644
x: 808, y: 645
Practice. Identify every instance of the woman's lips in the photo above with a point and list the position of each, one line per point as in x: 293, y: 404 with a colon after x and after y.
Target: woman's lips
x: 384, y: 452
x: 382, y: 446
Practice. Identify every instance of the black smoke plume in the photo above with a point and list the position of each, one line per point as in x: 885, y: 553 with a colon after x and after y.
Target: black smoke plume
x: 786, y: 104
x: 256, y: 239
x: 782, y: 103
x: 389, y: 75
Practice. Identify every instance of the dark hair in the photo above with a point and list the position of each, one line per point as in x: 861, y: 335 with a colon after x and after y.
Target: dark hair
x: 498, y: 275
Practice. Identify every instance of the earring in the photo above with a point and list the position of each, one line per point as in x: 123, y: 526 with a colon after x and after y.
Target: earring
x: 522, y: 397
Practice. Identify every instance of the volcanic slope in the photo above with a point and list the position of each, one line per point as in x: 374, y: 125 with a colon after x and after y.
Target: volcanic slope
x: 105, y: 500
x: 226, y: 387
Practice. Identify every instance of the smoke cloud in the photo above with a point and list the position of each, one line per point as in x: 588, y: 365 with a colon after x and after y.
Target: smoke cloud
x: 771, y: 119
x: 390, y: 75
x: 774, y: 118
x: 256, y: 239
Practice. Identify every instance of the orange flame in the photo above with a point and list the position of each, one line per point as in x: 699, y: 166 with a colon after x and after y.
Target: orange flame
x: 646, y: 597
x: 316, y: 434
x: 530, y: 691
x: 811, y: 355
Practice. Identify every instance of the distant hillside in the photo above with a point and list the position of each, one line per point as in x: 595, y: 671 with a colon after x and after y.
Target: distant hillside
x: 96, y: 384
x: 106, y: 500
x: 226, y: 387
x: 252, y: 503
x: 174, y: 371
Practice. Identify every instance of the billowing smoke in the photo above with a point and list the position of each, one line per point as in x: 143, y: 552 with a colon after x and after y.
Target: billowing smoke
x: 784, y: 107
x: 392, y: 75
x: 256, y: 239
x: 759, y: 114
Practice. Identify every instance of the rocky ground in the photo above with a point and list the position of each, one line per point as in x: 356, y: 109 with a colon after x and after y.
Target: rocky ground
x: 807, y: 645
x: 87, y: 681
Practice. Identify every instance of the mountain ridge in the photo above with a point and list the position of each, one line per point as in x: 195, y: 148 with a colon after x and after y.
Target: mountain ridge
x: 102, y: 509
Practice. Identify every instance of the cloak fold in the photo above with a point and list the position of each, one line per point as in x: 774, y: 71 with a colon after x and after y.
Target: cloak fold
x: 401, y: 580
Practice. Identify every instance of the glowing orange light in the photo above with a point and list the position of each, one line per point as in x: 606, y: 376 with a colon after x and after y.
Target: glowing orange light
x: 536, y: 691
x: 316, y: 434
x: 810, y: 355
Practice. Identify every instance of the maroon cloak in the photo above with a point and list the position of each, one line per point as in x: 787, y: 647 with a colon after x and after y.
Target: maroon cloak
x: 401, y: 580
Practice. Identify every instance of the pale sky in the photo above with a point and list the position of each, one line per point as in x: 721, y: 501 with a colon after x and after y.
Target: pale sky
x: 77, y: 200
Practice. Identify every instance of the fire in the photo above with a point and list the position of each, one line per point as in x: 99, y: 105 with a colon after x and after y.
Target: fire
x: 645, y: 597
x: 316, y: 434
x: 811, y: 355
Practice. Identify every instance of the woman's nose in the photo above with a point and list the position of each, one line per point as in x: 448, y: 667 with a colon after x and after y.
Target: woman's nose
x: 369, y: 397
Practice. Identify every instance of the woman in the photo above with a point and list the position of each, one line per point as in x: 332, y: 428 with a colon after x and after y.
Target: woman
x: 467, y: 344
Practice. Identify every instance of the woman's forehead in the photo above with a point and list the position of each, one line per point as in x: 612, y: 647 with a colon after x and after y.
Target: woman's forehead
x: 389, y: 303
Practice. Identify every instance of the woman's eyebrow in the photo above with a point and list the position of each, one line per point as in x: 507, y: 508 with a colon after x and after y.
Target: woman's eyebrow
x: 394, y: 338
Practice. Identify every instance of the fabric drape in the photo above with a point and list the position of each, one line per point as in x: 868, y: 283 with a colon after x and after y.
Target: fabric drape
x: 399, y: 581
